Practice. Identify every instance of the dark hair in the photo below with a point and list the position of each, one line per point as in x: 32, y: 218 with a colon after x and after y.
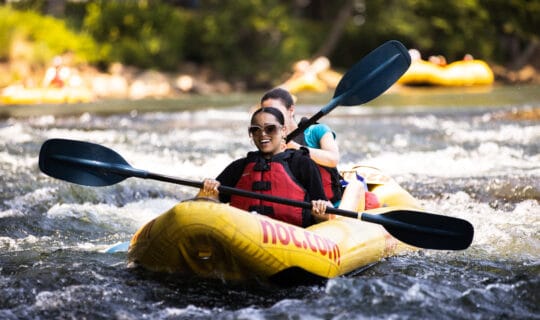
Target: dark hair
x: 271, y: 110
x: 279, y: 94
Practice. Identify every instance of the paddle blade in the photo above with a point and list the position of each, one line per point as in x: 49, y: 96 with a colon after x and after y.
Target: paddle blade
x: 120, y: 247
x: 365, y: 81
x: 374, y: 74
x: 81, y: 162
x: 423, y: 230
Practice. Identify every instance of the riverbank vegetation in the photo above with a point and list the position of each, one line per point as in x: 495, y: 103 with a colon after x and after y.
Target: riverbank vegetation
x: 255, y: 43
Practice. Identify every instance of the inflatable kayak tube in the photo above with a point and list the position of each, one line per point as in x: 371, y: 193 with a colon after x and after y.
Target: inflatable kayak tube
x: 201, y: 238
x: 459, y: 73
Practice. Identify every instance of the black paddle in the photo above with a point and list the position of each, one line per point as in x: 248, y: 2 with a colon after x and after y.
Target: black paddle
x: 366, y: 80
x: 95, y: 165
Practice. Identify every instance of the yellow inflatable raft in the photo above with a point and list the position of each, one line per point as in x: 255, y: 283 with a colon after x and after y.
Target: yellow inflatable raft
x: 21, y: 95
x: 213, y: 240
x: 316, y: 76
x: 459, y: 73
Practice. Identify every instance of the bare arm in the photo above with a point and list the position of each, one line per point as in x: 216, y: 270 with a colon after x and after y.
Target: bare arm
x: 327, y: 156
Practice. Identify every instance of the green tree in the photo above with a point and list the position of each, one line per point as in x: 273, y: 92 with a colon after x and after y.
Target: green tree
x: 516, y: 23
x: 46, y: 37
x: 147, y: 34
x: 493, y: 30
x: 257, y: 41
x: 253, y: 40
x: 433, y: 27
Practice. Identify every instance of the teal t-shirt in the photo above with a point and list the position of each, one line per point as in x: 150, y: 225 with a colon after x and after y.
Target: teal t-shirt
x: 314, y: 133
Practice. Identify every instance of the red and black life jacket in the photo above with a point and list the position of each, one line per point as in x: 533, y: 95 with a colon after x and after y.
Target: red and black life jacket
x: 272, y: 177
x: 331, y: 183
x: 331, y: 180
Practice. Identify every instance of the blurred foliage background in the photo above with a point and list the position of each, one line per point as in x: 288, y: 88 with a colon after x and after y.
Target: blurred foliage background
x: 257, y: 41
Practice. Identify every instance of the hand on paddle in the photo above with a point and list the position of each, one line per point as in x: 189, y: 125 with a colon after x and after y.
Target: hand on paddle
x: 210, y: 189
x: 318, y: 210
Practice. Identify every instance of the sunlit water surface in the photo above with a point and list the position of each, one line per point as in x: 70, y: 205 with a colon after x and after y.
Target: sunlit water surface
x: 457, y: 151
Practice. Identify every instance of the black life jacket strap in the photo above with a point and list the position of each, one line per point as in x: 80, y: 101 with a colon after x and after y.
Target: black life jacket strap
x: 261, y: 185
x: 265, y: 210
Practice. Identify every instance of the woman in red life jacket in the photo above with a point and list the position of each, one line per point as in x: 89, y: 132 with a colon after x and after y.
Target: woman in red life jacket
x: 272, y: 170
x: 320, y: 140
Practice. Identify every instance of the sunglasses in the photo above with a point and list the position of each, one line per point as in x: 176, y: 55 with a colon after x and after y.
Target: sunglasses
x: 269, y: 129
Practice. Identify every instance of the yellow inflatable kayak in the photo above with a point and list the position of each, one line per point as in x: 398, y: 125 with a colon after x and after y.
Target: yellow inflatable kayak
x: 21, y: 95
x: 214, y: 240
x: 459, y: 73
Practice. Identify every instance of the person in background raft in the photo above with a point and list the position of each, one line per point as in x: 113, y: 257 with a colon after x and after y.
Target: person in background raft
x: 415, y: 55
x: 273, y: 170
x: 319, y: 139
x: 439, y: 60
x: 57, y: 75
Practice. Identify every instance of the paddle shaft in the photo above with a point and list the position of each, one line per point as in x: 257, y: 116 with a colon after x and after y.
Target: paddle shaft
x: 94, y: 165
x: 305, y: 124
x: 129, y: 171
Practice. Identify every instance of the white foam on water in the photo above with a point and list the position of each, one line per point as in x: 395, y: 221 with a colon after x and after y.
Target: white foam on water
x: 18, y: 161
x: 512, y: 133
x: 223, y: 114
x: 15, y: 134
x: 488, y: 159
x: 95, y: 136
x: 20, y: 203
x: 469, y: 150
x: 70, y: 297
x: 183, y: 169
x: 127, y: 218
x: 189, y: 311
x: 8, y: 244
x: 498, y: 234
x: 46, y: 120
x: 164, y: 152
x: 202, y: 115
x: 124, y: 220
x: 11, y: 213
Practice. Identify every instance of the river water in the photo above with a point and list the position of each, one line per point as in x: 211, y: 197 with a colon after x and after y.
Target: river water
x: 472, y: 154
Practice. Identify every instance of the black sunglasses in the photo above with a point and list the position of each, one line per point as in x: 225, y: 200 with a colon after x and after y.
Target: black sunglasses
x: 269, y: 129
